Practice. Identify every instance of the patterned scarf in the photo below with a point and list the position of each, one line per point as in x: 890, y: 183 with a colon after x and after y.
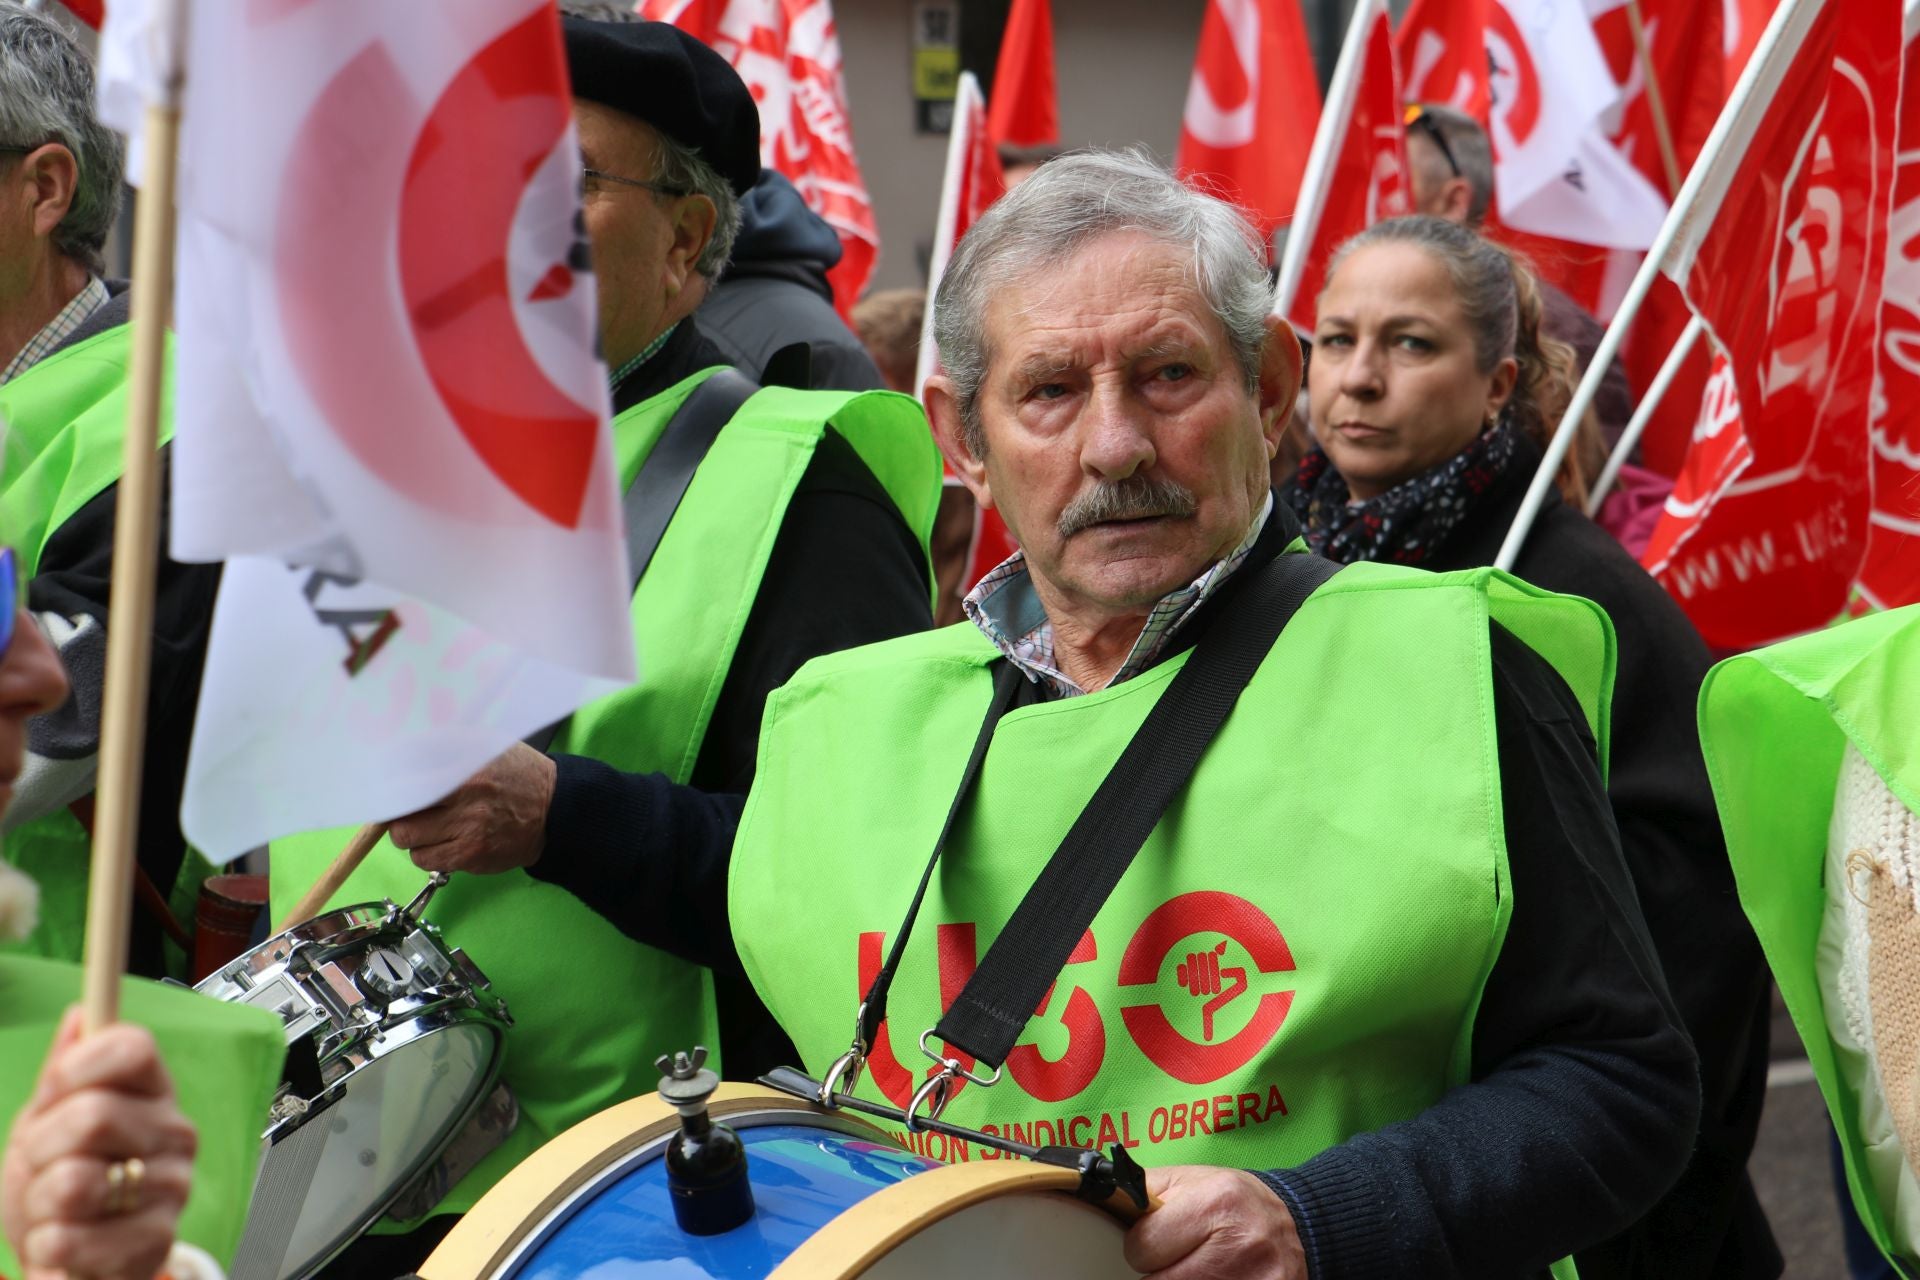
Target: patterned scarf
x: 1408, y: 522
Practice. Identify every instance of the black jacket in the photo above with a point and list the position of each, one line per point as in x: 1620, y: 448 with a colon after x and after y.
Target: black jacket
x: 1711, y: 1224
x: 775, y: 292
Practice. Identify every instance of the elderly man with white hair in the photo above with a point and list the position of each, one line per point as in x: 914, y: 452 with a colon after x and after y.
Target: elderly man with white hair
x: 1370, y: 994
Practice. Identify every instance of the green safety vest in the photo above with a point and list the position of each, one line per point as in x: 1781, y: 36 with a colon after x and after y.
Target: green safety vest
x: 1774, y: 725
x: 1294, y: 957
x: 593, y: 1009
x: 225, y: 1064
x: 66, y: 420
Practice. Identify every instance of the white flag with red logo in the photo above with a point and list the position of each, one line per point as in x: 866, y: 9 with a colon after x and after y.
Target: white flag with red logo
x: 1252, y: 104
x: 1784, y: 258
x: 1555, y: 170
x: 788, y: 52
x: 1357, y: 173
x: 1890, y: 570
x: 973, y: 182
x: 391, y: 420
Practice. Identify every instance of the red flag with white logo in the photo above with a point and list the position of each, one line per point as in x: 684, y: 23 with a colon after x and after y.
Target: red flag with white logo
x: 1890, y: 571
x: 1441, y: 45
x: 973, y: 182
x: 391, y: 419
x: 788, y: 52
x: 1026, y: 107
x: 1252, y: 105
x: 1784, y: 259
x: 1357, y: 173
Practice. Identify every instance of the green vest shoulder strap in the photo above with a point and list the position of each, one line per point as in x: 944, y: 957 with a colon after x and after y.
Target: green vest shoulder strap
x: 66, y: 421
x: 693, y: 605
x: 551, y: 958
x: 1774, y: 725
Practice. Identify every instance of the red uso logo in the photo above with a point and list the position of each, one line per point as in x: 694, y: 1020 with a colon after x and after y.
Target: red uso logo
x: 1206, y: 974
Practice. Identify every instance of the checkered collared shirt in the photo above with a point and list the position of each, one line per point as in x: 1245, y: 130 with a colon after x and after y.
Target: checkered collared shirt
x: 57, y: 330
x: 1006, y: 607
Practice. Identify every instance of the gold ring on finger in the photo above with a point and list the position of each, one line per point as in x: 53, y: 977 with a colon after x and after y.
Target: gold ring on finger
x: 124, y: 1179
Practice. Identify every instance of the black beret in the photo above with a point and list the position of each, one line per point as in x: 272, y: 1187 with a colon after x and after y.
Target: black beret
x: 658, y: 73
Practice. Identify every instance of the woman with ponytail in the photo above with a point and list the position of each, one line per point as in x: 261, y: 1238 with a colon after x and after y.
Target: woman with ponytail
x: 1431, y: 394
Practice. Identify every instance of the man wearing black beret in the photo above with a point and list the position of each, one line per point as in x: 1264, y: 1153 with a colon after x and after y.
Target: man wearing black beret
x: 802, y: 532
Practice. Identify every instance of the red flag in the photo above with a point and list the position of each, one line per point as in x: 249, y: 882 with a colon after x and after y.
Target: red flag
x: 1026, y: 108
x: 973, y: 183
x: 91, y: 12
x: 1442, y: 49
x: 1890, y: 575
x: 1357, y: 173
x: 788, y: 52
x: 1252, y: 105
x: 1784, y: 260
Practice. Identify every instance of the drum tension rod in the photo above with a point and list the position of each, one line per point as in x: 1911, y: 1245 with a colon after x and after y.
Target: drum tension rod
x: 1101, y: 1177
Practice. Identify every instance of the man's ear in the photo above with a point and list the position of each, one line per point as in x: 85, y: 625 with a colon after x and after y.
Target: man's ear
x: 1456, y: 200
x: 943, y: 411
x: 54, y: 175
x: 1279, y: 380
x: 694, y: 219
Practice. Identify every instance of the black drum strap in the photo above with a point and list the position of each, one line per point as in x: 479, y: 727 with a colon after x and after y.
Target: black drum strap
x: 1026, y: 958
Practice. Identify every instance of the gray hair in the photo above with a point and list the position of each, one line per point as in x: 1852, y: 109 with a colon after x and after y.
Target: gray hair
x: 46, y: 95
x: 1064, y: 205
x: 682, y: 169
x: 1471, y: 151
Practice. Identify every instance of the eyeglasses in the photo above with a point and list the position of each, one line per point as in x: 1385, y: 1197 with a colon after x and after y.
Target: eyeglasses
x: 658, y: 188
x: 1417, y: 118
x: 12, y: 593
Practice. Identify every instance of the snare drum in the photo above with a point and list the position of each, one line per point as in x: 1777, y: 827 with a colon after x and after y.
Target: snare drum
x: 834, y: 1198
x: 393, y: 1042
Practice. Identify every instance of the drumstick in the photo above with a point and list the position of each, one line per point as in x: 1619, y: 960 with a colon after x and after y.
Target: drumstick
x: 336, y: 875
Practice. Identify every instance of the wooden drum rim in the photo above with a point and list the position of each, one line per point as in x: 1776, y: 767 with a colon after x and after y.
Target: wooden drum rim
x: 488, y: 1234
x: 866, y: 1232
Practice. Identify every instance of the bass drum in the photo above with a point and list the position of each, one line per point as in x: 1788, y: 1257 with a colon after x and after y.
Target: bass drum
x: 834, y: 1198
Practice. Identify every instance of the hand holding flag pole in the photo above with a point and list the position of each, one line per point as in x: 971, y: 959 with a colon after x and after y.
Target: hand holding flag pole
x: 1718, y: 157
x: 135, y: 556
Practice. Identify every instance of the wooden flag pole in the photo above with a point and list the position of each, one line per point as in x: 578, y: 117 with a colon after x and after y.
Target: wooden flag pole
x: 1656, y: 102
x: 1643, y: 413
x: 123, y: 723
x: 315, y: 899
x: 1792, y: 18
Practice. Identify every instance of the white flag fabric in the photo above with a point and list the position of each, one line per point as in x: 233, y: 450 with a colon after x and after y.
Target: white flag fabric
x: 390, y: 417
x: 1555, y: 170
x: 137, y: 67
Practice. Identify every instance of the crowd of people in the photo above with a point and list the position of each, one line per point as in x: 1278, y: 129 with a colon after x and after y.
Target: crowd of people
x: 1525, y: 1018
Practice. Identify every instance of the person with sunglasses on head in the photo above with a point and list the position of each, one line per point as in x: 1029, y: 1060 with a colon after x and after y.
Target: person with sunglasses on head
x: 801, y: 532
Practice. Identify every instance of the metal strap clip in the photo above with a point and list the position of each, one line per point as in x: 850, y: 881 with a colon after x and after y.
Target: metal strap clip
x: 844, y: 1074
x: 937, y: 1090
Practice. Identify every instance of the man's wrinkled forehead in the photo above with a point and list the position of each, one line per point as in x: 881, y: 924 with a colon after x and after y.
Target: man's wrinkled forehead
x: 1120, y: 296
